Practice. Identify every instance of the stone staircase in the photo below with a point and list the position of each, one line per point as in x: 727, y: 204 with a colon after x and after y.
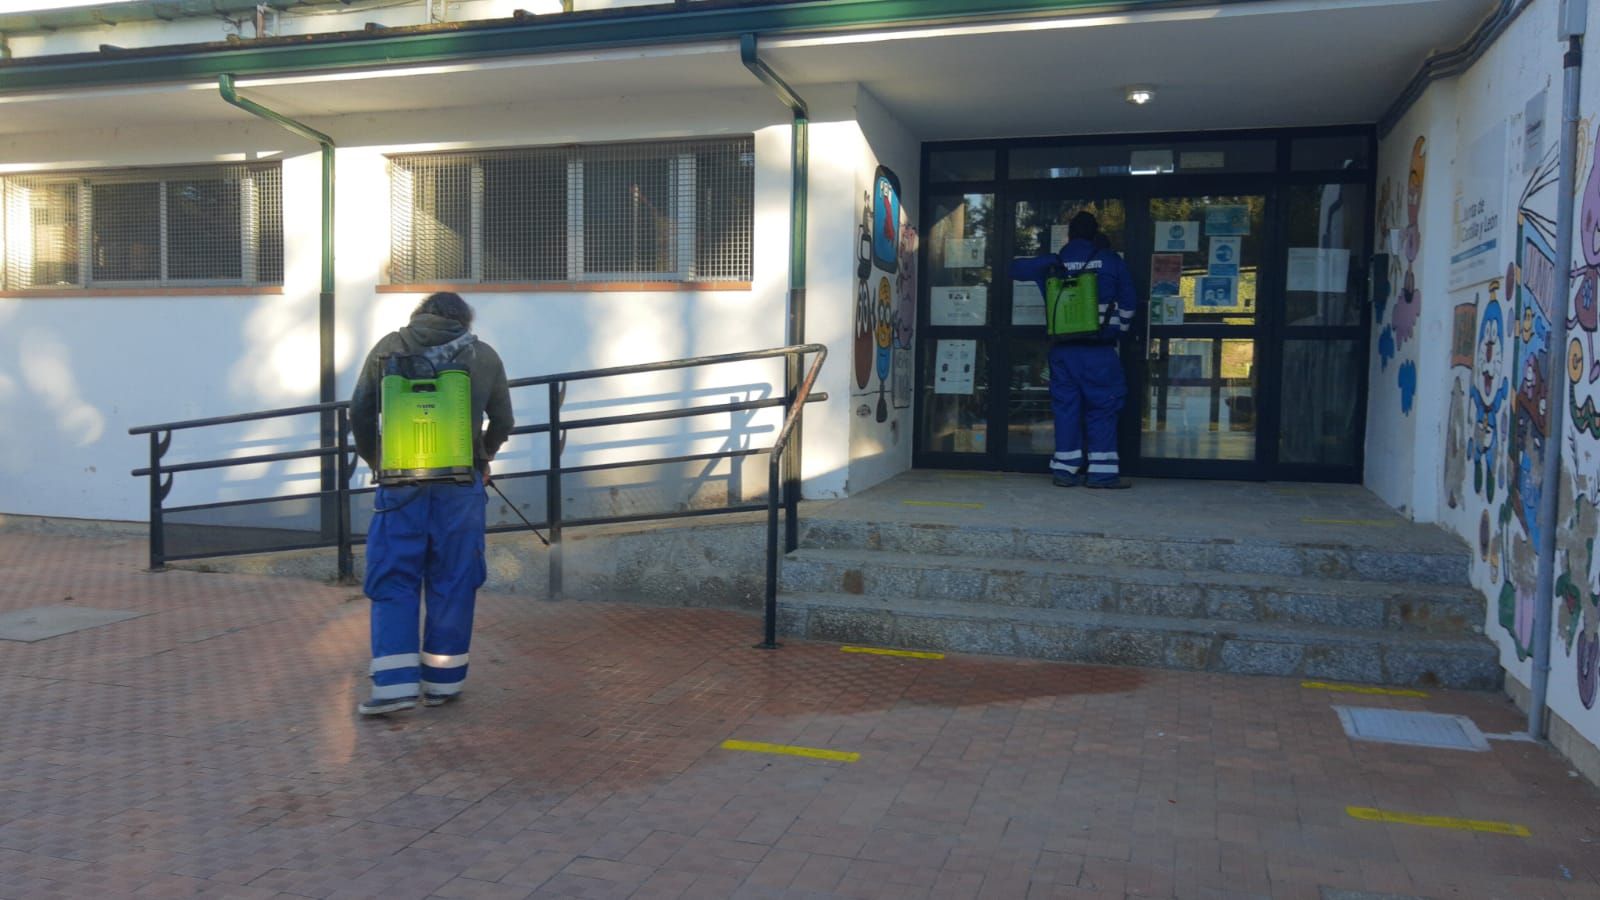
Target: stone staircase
x: 1255, y: 606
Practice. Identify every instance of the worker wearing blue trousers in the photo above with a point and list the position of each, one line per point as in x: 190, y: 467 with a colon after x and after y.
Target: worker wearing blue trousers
x: 1087, y: 387
x: 428, y: 537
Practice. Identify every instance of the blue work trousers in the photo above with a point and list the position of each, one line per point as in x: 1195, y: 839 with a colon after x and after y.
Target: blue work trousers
x: 1087, y: 390
x: 428, y: 537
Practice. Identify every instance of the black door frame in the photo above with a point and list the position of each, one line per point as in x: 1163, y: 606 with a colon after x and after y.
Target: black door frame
x: 1135, y: 192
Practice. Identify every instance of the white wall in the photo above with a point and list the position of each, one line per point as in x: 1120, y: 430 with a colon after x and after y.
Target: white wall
x: 77, y: 373
x: 1463, y: 457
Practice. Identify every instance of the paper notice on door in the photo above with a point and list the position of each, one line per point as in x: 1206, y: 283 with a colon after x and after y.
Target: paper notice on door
x: 953, y: 367
x: 1166, y: 274
x: 1322, y: 269
x: 1218, y: 292
x: 1177, y: 237
x: 964, y: 253
x: 958, y: 305
x: 1058, y: 238
x: 1027, y: 304
x: 1224, y: 259
x: 1166, y: 310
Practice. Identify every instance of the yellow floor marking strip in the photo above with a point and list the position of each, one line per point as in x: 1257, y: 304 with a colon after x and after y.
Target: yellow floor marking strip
x: 786, y: 750
x: 1361, y: 689
x: 1364, y: 523
x: 878, y: 651
x: 949, y: 503
x: 1368, y: 814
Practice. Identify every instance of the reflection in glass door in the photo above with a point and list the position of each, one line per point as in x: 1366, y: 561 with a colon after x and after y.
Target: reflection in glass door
x: 1199, y: 403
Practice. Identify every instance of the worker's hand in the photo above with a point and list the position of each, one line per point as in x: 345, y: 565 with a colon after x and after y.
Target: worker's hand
x: 487, y: 478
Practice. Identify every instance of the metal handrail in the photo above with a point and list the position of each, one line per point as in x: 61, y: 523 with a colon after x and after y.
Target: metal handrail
x: 800, y: 398
x: 241, y: 417
x: 781, y: 489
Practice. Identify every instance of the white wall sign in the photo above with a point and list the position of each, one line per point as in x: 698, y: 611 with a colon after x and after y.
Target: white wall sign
x: 958, y: 305
x: 964, y: 253
x: 1476, y: 246
x: 953, y: 364
x: 1177, y: 237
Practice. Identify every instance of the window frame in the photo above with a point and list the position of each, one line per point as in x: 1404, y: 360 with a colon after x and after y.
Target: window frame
x: 681, y: 158
x: 252, y: 197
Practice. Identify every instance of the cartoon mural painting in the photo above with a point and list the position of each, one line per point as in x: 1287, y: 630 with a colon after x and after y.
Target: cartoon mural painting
x: 905, y: 317
x: 1489, y: 389
x: 883, y: 332
x: 886, y: 221
x: 886, y: 305
x: 1408, y: 306
x: 866, y: 310
x: 1580, y: 595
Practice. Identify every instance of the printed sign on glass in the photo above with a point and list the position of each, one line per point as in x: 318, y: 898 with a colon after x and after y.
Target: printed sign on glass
x: 1217, y: 292
x: 1227, y: 220
x: 1224, y: 259
x: 1177, y: 237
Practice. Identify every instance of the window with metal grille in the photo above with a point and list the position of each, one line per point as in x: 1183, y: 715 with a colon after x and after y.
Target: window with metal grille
x: 656, y: 211
x: 211, y: 225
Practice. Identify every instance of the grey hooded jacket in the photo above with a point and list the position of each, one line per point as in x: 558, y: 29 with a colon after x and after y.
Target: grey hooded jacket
x: 491, y: 398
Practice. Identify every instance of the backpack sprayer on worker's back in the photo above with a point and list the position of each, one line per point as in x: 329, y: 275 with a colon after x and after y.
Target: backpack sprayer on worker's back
x: 425, y: 422
x: 425, y: 417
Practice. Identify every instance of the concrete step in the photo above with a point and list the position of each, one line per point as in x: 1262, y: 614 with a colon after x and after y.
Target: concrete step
x: 1136, y: 590
x: 1409, y: 659
x: 1219, y: 554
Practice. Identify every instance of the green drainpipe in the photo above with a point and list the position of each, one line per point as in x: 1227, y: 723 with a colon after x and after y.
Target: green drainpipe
x: 795, y: 333
x: 325, y: 311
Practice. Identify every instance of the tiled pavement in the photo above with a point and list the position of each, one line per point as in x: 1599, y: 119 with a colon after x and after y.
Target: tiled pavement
x: 209, y: 748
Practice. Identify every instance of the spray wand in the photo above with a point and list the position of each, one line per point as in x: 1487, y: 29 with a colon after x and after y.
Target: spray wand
x: 519, y: 514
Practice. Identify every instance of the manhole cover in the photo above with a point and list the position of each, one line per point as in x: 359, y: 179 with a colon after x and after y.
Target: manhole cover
x: 40, y: 622
x: 1417, y: 729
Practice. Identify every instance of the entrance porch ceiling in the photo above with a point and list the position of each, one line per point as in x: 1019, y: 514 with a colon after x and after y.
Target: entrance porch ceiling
x: 1239, y: 65
x: 1245, y: 65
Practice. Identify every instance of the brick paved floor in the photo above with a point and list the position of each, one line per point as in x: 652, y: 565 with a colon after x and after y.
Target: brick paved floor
x: 210, y: 748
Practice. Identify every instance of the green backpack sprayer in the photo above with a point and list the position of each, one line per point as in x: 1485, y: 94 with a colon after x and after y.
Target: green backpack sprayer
x: 425, y: 419
x: 1072, y: 301
x: 425, y: 422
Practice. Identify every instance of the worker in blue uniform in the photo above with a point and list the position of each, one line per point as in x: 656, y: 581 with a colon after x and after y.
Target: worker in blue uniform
x: 1087, y: 387
x: 428, y: 536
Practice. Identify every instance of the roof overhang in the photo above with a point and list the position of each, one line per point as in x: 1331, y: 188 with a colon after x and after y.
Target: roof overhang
x: 948, y: 69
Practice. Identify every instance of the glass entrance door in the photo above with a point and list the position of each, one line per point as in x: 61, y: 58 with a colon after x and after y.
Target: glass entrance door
x: 1198, y: 409
x: 1248, y: 355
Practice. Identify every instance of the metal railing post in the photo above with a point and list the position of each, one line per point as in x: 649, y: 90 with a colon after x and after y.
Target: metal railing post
x: 159, y: 442
x: 552, y: 488
x: 342, y: 497
x: 791, y: 457
x: 770, y: 625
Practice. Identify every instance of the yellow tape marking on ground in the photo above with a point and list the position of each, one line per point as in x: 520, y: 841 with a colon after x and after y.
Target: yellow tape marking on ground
x: 786, y: 750
x: 878, y: 651
x: 1368, y: 814
x: 1363, y: 523
x: 1361, y: 689
x: 950, y: 503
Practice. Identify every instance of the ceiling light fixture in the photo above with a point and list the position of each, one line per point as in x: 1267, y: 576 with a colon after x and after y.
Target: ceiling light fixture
x: 1141, y: 94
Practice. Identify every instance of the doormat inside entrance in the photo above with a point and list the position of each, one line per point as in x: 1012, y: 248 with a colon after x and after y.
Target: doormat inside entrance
x: 1417, y: 729
x: 40, y: 622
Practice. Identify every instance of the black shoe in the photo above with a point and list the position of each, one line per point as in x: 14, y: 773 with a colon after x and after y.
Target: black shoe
x: 376, y: 707
x: 1114, y: 485
x: 1065, y: 480
x: 439, y: 699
